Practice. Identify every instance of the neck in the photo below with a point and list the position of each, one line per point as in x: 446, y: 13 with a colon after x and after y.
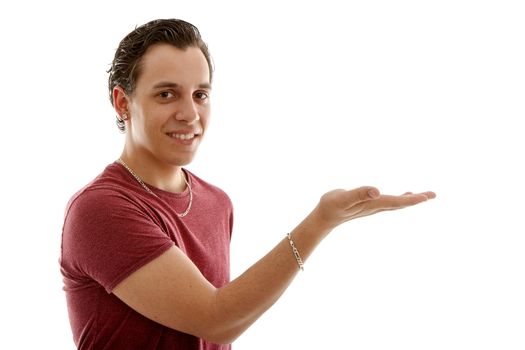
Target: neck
x: 156, y: 173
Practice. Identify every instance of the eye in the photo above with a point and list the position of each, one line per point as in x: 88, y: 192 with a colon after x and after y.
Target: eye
x: 201, y: 95
x: 166, y: 94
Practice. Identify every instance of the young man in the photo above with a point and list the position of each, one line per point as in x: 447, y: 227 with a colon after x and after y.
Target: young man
x: 145, y: 246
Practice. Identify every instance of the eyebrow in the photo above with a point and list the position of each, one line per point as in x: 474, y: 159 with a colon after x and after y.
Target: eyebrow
x: 169, y: 84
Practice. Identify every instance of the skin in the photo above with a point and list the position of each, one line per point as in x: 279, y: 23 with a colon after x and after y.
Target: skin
x: 171, y: 290
x: 171, y: 95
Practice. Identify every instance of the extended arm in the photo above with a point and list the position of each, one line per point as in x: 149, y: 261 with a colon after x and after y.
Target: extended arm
x: 171, y: 290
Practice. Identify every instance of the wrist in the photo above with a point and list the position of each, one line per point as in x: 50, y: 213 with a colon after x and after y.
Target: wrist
x: 318, y: 224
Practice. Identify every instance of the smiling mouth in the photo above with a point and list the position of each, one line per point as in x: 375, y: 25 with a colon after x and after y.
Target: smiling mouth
x: 188, y: 136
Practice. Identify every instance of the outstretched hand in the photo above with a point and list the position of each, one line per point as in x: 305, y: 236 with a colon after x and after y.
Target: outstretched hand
x: 339, y: 206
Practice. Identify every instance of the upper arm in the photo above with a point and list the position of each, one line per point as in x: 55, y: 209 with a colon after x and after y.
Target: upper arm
x: 172, y: 291
x: 117, y: 243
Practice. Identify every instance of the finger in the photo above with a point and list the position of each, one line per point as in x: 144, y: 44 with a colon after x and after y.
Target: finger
x: 398, y: 202
x: 429, y: 194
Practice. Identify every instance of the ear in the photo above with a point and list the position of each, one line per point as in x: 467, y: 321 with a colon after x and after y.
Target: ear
x: 120, y: 101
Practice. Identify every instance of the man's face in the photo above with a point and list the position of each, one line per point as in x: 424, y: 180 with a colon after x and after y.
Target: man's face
x: 169, y: 109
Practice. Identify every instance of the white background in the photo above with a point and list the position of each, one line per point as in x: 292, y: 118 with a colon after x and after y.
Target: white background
x: 308, y: 97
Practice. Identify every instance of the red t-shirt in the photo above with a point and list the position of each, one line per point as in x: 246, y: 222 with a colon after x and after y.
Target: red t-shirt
x: 113, y: 227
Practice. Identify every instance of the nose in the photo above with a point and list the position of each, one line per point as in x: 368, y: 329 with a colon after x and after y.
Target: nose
x: 187, y: 112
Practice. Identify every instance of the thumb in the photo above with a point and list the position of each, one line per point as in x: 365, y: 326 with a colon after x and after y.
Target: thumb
x: 361, y: 194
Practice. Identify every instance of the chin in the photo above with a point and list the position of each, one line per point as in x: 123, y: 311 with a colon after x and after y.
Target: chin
x: 181, y: 161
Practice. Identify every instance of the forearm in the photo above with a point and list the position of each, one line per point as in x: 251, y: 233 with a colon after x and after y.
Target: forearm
x: 245, y: 299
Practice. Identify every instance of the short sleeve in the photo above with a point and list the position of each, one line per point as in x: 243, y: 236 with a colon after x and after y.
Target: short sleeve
x: 108, y: 235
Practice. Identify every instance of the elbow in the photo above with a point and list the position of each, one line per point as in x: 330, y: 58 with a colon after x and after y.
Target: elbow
x: 223, y: 327
x: 222, y: 339
x: 220, y: 324
x: 212, y: 332
x: 221, y: 333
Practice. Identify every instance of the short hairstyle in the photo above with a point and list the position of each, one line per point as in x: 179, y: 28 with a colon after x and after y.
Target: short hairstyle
x: 126, y: 66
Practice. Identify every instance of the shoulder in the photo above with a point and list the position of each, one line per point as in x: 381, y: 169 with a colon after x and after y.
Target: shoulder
x: 108, y: 191
x: 108, y: 217
x: 207, y: 189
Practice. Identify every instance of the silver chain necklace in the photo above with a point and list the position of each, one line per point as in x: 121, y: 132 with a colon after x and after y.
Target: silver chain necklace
x: 153, y: 193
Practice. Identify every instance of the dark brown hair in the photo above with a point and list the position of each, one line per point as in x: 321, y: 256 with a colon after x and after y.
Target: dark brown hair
x: 126, y: 66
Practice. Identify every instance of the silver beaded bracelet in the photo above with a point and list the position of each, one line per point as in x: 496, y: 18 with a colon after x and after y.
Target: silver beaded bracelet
x: 295, y: 252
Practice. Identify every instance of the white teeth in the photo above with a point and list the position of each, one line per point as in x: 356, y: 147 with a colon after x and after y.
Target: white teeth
x: 183, y: 136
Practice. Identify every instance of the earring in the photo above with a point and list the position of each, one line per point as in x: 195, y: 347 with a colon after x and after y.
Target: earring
x: 124, y: 116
